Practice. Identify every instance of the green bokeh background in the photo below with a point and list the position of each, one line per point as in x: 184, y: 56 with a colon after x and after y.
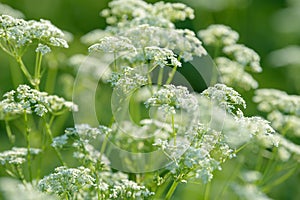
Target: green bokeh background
x: 253, y: 21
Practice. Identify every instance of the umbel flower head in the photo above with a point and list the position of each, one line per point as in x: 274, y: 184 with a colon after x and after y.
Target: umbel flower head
x: 218, y: 35
x: 28, y: 100
x: 17, y: 155
x: 121, y: 11
x: 17, y: 34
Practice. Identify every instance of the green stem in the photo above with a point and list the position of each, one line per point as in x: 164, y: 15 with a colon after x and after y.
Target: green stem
x: 103, y: 147
x: 242, y: 147
x: 174, y: 131
x: 171, y: 190
x: 37, y: 69
x: 10, y: 135
x: 20, y: 174
x: 27, y: 131
x: 49, y: 132
x: 25, y: 71
x: 161, y: 189
x: 115, y: 61
x: 270, y: 165
x: 149, y: 79
x: 280, y: 180
x: 171, y: 75
x: 207, y: 191
x: 160, y: 76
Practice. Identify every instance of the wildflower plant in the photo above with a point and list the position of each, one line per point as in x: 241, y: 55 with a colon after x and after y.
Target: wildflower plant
x: 162, y: 134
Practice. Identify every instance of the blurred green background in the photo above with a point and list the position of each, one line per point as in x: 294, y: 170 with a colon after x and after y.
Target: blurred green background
x: 260, y: 23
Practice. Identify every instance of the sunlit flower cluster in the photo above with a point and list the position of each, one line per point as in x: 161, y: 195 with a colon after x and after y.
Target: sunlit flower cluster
x: 218, y: 35
x: 27, y: 100
x: 17, y: 34
x: 226, y: 97
x: 17, y: 155
x: 241, y: 78
x: 240, y: 59
x: 121, y: 11
x: 67, y: 182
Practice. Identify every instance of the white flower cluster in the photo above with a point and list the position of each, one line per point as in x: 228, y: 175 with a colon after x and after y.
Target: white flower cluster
x: 17, y: 155
x: 170, y: 97
x: 81, y: 139
x: 283, y: 110
x: 17, y: 34
x: 156, y: 56
x: 245, y: 56
x: 112, y: 44
x: 218, y: 35
x: 117, y: 186
x: 121, y: 11
x: 240, y: 78
x: 288, y: 149
x: 79, y: 183
x: 183, y: 42
x: 285, y: 123
x: 127, y: 189
x: 27, y: 100
x: 67, y: 182
x: 239, y: 60
x: 128, y: 80
x: 204, y: 155
x: 226, y: 97
x: 271, y: 99
x: 260, y: 130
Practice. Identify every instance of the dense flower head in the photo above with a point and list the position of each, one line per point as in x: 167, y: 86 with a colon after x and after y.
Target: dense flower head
x: 288, y: 149
x: 161, y: 56
x: 17, y: 155
x: 226, y: 97
x: 170, y: 97
x: 70, y: 181
x: 239, y: 78
x: 121, y: 11
x: 27, y: 100
x: 286, y: 124
x: 218, y: 35
x: 181, y: 41
x: 245, y: 56
x: 271, y: 99
x: 128, y: 80
x: 112, y: 44
x: 17, y: 34
x: 259, y: 129
x: 201, y: 158
x: 81, y: 138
